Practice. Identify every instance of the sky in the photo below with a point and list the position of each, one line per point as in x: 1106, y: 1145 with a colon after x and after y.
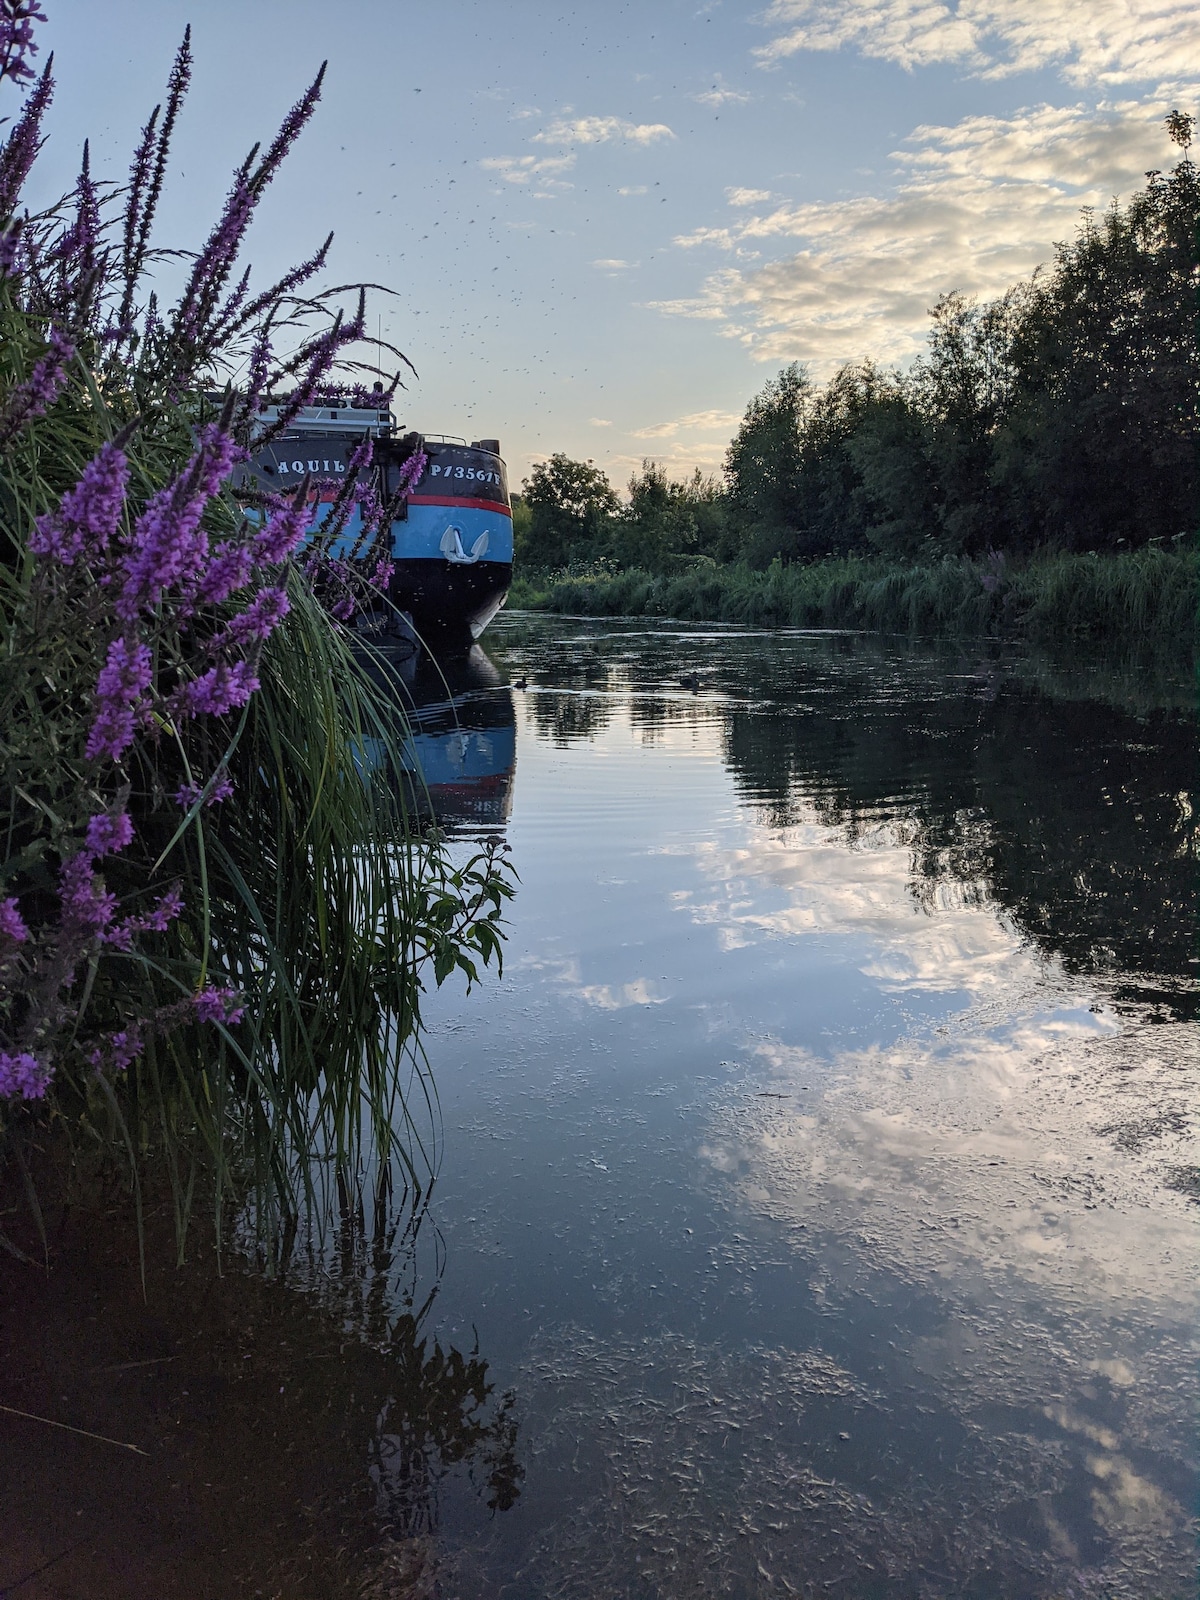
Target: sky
x: 605, y: 227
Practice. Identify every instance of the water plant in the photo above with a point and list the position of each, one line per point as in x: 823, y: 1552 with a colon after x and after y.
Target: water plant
x: 216, y: 920
x: 1144, y: 598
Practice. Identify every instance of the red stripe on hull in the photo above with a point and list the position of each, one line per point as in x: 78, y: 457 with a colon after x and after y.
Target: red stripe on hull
x: 459, y: 500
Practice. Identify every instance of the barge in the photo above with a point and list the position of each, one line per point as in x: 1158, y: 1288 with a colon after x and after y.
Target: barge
x: 452, y: 542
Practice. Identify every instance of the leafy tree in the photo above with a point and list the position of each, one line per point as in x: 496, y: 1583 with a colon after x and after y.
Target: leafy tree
x: 669, y: 524
x: 570, y: 505
x: 763, y: 464
x: 1099, y: 446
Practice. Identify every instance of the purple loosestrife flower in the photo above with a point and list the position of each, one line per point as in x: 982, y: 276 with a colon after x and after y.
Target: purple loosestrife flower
x: 188, y: 793
x: 163, y: 912
x: 37, y: 394
x: 147, y: 181
x: 319, y: 356
x: 261, y: 361
x: 24, y: 1075
x: 230, y: 568
x: 157, y: 920
x: 120, y: 699
x: 222, y: 688
x: 22, y: 145
x: 270, y: 298
x: 17, y: 43
x: 169, y: 544
x: 411, y: 472
x: 76, y: 250
x: 87, y: 909
x: 88, y: 515
x: 284, y: 531
x: 289, y: 132
x: 106, y: 834
x: 12, y: 923
x: 385, y: 571
x: 219, y: 1005
x: 215, y: 262
x: 10, y: 242
x: 361, y: 456
x: 124, y: 1047
x: 257, y: 623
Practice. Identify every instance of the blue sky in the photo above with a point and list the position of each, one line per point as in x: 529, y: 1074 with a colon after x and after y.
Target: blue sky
x: 607, y: 226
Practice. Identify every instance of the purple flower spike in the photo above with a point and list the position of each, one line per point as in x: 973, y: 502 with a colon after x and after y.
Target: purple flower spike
x: 126, y: 1046
x: 219, y: 1005
x: 222, y: 688
x: 283, y: 533
x: 169, y: 544
x: 12, y: 923
x: 88, y: 515
x: 23, y: 143
x: 412, y: 472
x: 106, y: 834
x: 257, y: 623
x: 37, y: 394
x: 156, y: 920
x: 230, y: 568
x: 10, y: 240
x: 17, y: 43
x: 86, y: 907
x: 22, y: 1074
x: 120, y: 691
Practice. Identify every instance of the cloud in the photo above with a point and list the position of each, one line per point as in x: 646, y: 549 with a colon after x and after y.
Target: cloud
x: 747, y: 197
x: 600, y: 422
x: 610, y: 997
x: 633, y: 188
x: 601, y: 130
x: 975, y: 207
x: 719, y: 95
x: 611, y: 265
x: 1104, y: 42
x: 539, y: 170
x: 695, y: 422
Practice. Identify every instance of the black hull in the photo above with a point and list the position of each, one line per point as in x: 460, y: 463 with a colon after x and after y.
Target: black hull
x: 450, y: 603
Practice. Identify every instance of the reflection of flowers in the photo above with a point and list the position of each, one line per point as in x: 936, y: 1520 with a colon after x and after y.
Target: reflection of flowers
x: 441, y: 1415
x: 995, y: 572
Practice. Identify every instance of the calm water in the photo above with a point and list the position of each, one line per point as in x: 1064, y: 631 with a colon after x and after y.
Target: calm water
x: 818, y: 1198
x: 820, y: 1181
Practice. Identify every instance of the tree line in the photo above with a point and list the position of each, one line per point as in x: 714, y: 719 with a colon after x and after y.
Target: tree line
x: 1060, y: 416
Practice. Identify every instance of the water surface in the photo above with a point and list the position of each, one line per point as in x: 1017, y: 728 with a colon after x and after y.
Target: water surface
x: 817, y: 1204
x: 821, y: 1178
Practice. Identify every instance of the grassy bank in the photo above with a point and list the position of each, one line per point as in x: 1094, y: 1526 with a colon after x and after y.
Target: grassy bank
x: 1147, y: 596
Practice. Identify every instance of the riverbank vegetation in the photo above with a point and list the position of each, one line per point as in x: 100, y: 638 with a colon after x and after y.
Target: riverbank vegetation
x: 216, y: 921
x: 1035, y: 468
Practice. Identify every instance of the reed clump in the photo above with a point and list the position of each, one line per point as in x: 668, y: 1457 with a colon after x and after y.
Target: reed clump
x: 1147, y: 596
x: 217, y: 918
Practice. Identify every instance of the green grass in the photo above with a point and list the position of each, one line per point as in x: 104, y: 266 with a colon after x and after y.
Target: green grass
x: 1147, y: 596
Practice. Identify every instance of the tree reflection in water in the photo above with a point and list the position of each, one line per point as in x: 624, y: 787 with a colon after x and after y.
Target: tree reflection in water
x: 1062, y: 791
x: 300, y: 1429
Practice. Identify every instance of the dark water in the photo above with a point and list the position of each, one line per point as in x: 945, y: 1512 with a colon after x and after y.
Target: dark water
x: 818, y: 1198
x: 821, y: 1178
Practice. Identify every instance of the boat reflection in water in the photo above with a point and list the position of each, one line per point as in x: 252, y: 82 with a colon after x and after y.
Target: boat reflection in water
x: 461, y: 751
